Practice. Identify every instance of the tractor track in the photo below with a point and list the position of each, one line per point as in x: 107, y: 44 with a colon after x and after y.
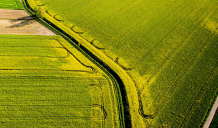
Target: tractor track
x: 125, y: 117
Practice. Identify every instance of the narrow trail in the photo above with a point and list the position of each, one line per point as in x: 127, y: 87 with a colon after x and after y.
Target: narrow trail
x: 20, y: 22
x: 212, y: 113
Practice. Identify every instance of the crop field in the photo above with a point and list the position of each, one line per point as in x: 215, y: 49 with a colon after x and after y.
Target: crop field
x: 11, y: 4
x: 168, y: 47
x: 47, y: 82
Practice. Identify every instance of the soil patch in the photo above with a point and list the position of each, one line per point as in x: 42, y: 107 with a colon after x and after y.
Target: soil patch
x: 14, y: 14
x: 21, y: 23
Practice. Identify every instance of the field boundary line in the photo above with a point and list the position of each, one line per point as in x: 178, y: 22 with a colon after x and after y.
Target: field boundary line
x: 70, y: 52
x: 98, y: 57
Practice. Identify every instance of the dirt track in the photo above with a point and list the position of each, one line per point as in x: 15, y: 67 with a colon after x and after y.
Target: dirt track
x: 19, y: 22
x: 212, y: 113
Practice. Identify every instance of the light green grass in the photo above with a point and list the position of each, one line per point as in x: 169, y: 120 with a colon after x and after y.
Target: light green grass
x: 170, y: 45
x: 11, y: 4
x: 46, y: 82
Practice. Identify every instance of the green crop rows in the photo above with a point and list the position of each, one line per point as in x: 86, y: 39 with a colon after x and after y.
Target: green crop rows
x: 169, y: 47
x: 11, y: 4
x: 46, y: 82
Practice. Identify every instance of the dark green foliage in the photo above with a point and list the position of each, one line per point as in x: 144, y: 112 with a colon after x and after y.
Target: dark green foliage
x: 214, y: 123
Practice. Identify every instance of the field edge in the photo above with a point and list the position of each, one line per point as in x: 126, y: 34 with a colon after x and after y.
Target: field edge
x: 131, y: 98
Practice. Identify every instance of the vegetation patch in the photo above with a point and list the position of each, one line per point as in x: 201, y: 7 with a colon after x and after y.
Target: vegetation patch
x: 214, y: 123
x: 46, y: 82
x: 11, y: 4
x: 170, y: 47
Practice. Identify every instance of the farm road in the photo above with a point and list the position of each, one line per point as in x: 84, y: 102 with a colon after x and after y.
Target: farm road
x: 212, y: 113
x: 21, y: 23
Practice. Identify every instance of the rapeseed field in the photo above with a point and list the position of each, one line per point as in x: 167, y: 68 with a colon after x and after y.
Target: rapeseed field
x: 168, y: 47
x: 47, y: 82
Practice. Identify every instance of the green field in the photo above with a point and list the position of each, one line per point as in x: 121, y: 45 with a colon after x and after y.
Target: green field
x: 11, y: 4
x: 47, y: 82
x: 214, y: 123
x: 168, y: 47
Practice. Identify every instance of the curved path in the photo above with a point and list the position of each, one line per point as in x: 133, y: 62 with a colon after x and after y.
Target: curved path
x: 212, y: 113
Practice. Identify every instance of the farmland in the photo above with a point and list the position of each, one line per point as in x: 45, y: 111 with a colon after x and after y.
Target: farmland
x: 168, y: 48
x: 47, y: 82
x: 11, y: 4
x: 21, y: 23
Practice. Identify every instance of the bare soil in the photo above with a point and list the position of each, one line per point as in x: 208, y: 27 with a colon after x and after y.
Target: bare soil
x: 14, y: 14
x: 19, y: 22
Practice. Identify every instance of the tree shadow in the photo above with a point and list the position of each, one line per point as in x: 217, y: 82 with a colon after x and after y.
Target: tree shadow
x: 21, y: 24
x: 22, y: 18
